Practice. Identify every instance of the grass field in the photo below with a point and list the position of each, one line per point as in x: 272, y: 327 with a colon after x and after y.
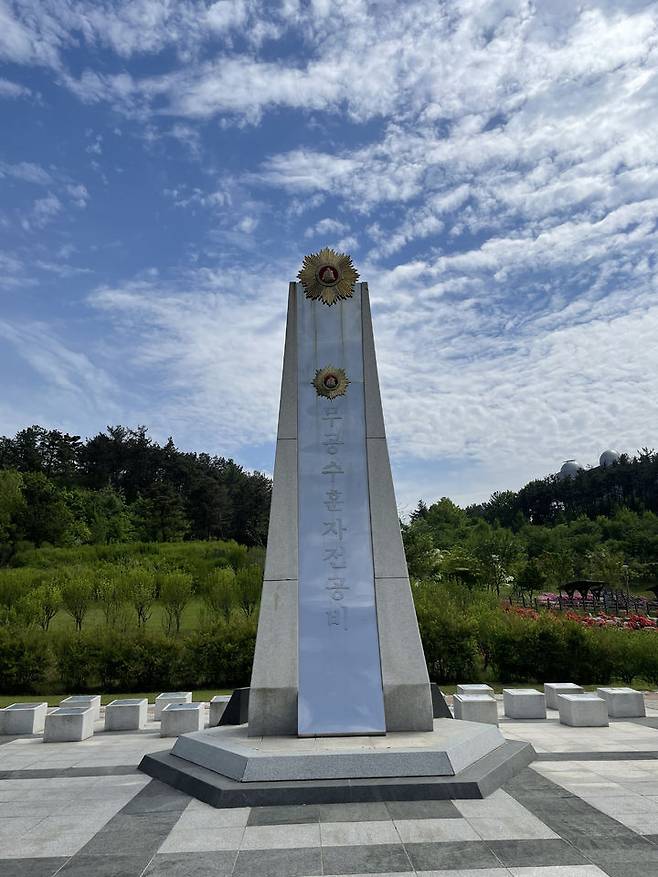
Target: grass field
x: 55, y: 699
x: 128, y: 618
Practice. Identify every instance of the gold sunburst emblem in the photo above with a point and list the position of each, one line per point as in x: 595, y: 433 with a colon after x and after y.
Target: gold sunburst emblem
x: 330, y: 382
x: 328, y: 276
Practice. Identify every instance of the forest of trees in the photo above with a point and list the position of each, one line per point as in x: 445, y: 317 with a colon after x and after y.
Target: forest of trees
x: 121, y: 486
x: 601, y: 525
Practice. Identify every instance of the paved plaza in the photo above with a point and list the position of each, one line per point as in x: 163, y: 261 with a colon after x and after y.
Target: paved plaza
x: 587, y: 806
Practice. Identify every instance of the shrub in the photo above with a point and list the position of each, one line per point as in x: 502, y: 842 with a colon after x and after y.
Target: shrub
x: 222, y: 656
x: 77, y: 659
x: 25, y: 660
x: 220, y: 593
x: 449, y: 636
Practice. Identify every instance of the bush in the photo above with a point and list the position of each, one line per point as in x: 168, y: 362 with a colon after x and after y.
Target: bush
x: 77, y: 660
x: 449, y: 636
x: 222, y: 656
x: 25, y: 660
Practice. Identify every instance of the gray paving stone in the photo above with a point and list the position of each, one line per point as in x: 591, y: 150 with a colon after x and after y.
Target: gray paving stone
x: 376, y: 859
x: 43, y: 867
x: 215, y: 864
x: 139, y: 835
x: 157, y: 797
x: 450, y: 855
x: 375, y: 812
x: 629, y: 869
x: 278, y: 863
x: 104, y: 866
x: 422, y: 810
x: 608, y: 850
x: 300, y: 814
x: 522, y: 853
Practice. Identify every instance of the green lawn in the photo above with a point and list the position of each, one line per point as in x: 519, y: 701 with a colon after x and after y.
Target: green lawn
x: 55, y: 699
x: 95, y: 618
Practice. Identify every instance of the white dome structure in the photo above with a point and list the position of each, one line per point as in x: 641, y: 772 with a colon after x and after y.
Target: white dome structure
x: 570, y: 468
x: 609, y: 457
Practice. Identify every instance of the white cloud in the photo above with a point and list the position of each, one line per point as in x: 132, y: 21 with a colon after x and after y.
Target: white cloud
x: 13, y: 89
x: 26, y: 171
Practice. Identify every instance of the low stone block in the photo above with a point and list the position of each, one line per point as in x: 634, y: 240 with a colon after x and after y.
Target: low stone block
x: 476, y: 708
x: 23, y: 718
x: 167, y: 697
x: 181, y: 718
x: 217, y: 707
x: 553, y: 689
x: 69, y: 725
x: 475, y: 689
x: 128, y: 714
x: 84, y: 700
x: 623, y: 703
x: 524, y: 703
x: 582, y: 710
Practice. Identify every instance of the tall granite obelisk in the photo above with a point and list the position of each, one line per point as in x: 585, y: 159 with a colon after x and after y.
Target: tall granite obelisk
x: 338, y: 650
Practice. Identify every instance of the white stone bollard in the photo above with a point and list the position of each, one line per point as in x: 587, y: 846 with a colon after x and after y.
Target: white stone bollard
x: 623, y: 703
x: 181, y: 718
x: 69, y: 725
x: 475, y: 689
x: 217, y: 706
x: 524, y: 703
x: 127, y: 714
x: 475, y: 708
x: 23, y: 718
x: 84, y: 700
x: 167, y: 697
x: 553, y: 689
x: 582, y: 710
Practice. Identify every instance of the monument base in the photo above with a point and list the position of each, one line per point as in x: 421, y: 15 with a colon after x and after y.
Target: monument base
x: 226, y: 768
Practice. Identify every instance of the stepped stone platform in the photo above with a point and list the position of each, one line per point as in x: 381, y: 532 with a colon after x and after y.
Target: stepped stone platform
x: 226, y: 768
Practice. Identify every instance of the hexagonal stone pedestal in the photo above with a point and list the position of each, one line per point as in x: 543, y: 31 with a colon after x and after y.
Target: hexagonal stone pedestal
x: 227, y: 768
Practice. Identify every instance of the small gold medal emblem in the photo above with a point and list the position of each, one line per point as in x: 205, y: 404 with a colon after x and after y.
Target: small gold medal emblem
x: 330, y: 382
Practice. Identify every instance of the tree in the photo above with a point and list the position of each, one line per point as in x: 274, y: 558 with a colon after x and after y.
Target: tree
x: 160, y: 514
x: 44, y: 517
x: 77, y: 596
x: 530, y: 580
x: 220, y: 593
x: 48, y: 599
x: 112, y: 590
x: 422, y: 556
x: 175, y: 594
x: 141, y: 593
x: 249, y: 584
x: 12, y: 502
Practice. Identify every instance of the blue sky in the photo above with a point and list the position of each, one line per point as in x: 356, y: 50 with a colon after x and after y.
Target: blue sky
x: 492, y: 167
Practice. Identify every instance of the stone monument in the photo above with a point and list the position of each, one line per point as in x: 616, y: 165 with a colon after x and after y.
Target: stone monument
x: 338, y: 650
